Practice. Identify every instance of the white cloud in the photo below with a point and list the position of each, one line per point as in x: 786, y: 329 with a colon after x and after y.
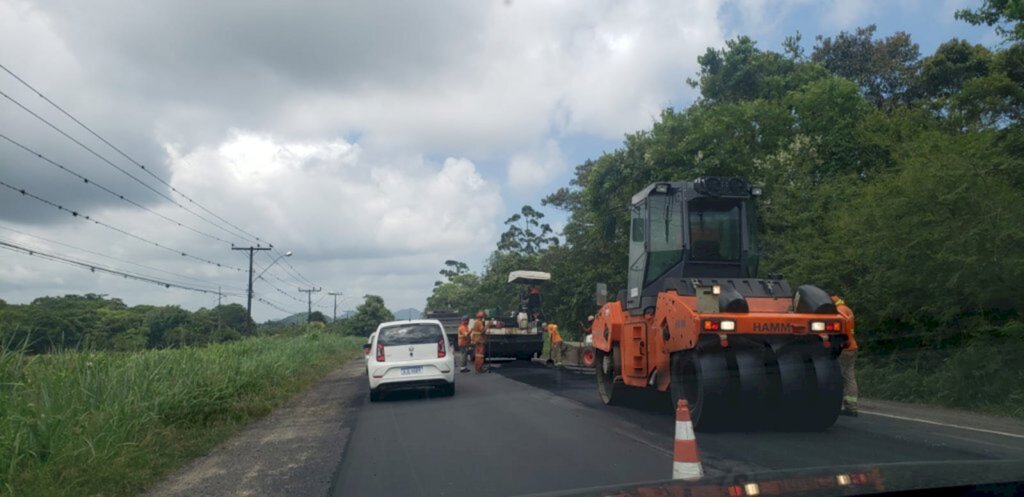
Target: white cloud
x: 536, y: 169
x: 349, y: 133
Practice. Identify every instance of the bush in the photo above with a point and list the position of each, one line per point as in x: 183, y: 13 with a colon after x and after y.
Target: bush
x: 109, y: 423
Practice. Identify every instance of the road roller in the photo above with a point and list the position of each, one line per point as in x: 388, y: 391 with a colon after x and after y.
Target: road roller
x: 695, y: 321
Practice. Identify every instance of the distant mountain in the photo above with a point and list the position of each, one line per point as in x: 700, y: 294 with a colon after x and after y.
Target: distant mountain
x: 409, y: 313
x: 299, y: 318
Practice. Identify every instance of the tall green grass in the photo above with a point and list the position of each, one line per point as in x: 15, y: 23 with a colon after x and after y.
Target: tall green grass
x: 106, y: 423
x: 983, y: 375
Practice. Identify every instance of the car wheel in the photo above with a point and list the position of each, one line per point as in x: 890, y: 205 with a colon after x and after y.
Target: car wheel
x: 374, y: 395
x: 448, y: 390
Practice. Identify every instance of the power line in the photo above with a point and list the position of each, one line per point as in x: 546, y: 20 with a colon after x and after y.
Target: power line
x: 105, y: 256
x: 294, y: 273
x: 13, y: 247
x: 111, y: 164
x: 275, y: 306
x: 79, y: 215
x: 123, y: 154
x: 131, y: 159
x: 108, y: 190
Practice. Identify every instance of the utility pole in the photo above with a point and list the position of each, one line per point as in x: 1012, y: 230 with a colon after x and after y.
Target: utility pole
x: 218, y: 295
x: 335, y: 295
x: 309, y: 300
x: 252, y: 250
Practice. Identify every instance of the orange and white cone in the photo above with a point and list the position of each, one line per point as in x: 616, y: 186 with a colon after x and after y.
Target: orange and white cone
x: 685, y: 459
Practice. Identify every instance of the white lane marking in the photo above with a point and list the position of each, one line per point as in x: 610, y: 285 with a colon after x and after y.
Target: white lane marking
x: 948, y: 425
x: 971, y: 440
x: 642, y: 441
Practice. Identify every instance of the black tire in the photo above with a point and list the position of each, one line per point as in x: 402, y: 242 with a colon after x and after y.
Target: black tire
x: 609, y: 383
x: 811, y: 388
x: 703, y: 379
x: 751, y: 392
x: 829, y: 400
x: 448, y: 390
x: 375, y: 395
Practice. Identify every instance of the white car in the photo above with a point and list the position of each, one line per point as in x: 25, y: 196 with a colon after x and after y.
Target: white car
x: 368, y: 346
x: 408, y: 355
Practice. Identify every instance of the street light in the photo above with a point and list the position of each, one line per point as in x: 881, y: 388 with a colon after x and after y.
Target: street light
x: 286, y: 254
x: 248, y: 306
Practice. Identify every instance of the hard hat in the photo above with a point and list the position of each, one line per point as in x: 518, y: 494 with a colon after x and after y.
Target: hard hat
x: 465, y: 319
x: 552, y: 327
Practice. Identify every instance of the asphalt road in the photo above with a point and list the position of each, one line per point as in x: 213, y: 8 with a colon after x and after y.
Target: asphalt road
x: 526, y: 428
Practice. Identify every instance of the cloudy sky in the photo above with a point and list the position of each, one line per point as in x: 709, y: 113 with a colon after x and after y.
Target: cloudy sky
x: 372, y: 139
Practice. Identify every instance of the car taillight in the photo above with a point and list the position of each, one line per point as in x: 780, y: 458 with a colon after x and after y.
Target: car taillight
x: 380, y: 353
x: 440, y: 348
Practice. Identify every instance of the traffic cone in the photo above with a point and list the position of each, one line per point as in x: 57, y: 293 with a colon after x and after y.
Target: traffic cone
x: 685, y: 459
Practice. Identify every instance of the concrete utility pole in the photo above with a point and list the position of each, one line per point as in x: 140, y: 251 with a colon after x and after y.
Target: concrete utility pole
x: 309, y: 300
x: 334, y: 317
x: 252, y: 250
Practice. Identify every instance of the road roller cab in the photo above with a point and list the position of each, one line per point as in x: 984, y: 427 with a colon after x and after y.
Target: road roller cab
x: 696, y: 321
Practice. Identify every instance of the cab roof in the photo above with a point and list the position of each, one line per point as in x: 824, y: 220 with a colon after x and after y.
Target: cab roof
x: 528, y: 277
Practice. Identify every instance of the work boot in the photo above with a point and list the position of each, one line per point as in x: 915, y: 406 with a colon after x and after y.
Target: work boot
x: 464, y: 370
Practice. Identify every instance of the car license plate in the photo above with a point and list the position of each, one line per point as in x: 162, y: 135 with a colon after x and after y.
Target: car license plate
x: 412, y: 370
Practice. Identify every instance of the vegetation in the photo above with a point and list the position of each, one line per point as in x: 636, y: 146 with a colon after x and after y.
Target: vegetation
x: 111, y: 423
x: 890, y: 178
x: 96, y: 322
x: 368, y: 315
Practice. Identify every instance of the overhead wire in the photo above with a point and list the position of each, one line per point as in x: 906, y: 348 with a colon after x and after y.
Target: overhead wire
x: 79, y: 215
x: 238, y: 230
x: 14, y: 247
x: 108, y: 190
x: 106, y: 256
x: 119, y: 151
x: 292, y: 272
x: 111, y: 164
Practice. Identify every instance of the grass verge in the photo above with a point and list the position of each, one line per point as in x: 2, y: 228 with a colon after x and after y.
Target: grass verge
x: 984, y: 375
x: 107, y: 423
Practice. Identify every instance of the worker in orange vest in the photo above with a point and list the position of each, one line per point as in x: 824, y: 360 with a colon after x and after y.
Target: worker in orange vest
x: 847, y: 361
x: 464, y: 344
x: 479, y: 337
x: 557, y: 345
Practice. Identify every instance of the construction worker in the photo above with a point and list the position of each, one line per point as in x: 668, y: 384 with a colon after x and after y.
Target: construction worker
x: 464, y: 344
x: 479, y: 337
x: 557, y: 345
x: 847, y: 360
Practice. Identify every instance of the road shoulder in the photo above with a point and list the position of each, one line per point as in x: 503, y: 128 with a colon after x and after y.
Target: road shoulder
x: 283, y: 454
x: 942, y: 416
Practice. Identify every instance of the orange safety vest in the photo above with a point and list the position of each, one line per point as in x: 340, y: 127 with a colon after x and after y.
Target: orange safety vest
x: 845, y: 310
x: 463, y: 335
x: 479, y: 335
x: 556, y: 337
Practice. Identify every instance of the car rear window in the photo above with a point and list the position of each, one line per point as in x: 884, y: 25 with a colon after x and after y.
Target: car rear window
x: 409, y: 334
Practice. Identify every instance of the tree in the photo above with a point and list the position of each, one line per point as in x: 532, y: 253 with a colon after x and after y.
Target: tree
x: 1006, y: 15
x: 317, y: 317
x: 886, y: 70
x: 451, y: 270
x: 368, y: 315
x: 526, y: 234
x: 955, y: 62
x: 460, y: 294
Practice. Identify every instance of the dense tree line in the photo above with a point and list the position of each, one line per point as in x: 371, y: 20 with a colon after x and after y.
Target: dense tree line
x: 96, y: 322
x: 890, y: 178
